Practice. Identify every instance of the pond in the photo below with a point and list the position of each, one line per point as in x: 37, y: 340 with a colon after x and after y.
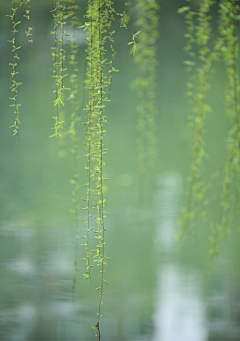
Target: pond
x: 159, y: 289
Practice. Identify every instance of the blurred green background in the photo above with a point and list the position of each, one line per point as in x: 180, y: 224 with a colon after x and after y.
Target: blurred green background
x: 159, y: 290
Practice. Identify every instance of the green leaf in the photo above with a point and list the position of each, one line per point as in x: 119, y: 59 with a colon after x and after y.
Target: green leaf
x: 183, y: 9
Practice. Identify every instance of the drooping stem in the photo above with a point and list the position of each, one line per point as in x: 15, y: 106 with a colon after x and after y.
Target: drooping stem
x: 99, y: 29
x: 29, y: 30
x: 145, y: 56
x: 101, y: 222
x: 145, y: 84
x: 14, y: 73
x: 199, y: 108
x: 73, y: 131
x: 229, y: 49
x: 59, y: 58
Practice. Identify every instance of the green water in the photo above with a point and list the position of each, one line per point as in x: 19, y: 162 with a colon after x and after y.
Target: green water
x: 159, y: 290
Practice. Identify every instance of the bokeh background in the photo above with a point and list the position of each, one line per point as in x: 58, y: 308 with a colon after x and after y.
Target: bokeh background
x: 159, y: 290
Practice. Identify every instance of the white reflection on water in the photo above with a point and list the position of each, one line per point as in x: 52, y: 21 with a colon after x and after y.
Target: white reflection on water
x: 179, y: 311
x: 22, y: 265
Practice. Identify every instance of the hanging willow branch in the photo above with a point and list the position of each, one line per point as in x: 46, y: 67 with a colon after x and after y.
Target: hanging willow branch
x: 58, y: 54
x: 72, y: 15
x: 229, y: 49
x: 226, y: 48
x: 99, y: 27
x: 145, y: 84
x: 15, y: 83
x: 199, y: 108
x: 29, y: 30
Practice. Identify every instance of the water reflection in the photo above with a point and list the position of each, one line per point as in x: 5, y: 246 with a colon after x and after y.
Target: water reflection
x: 223, y: 304
x: 36, y: 272
x: 36, y: 301
x: 180, y: 312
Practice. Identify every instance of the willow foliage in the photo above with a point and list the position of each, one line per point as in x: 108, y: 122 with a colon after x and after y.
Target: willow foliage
x: 229, y: 52
x: 59, y: 57
x: 15, y: 83
x: 224, y: 49
x: 73, y: 131
x: 199, y: 35
x: 202, y: 52
x: 99, y: 17
x: 146, y: 84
